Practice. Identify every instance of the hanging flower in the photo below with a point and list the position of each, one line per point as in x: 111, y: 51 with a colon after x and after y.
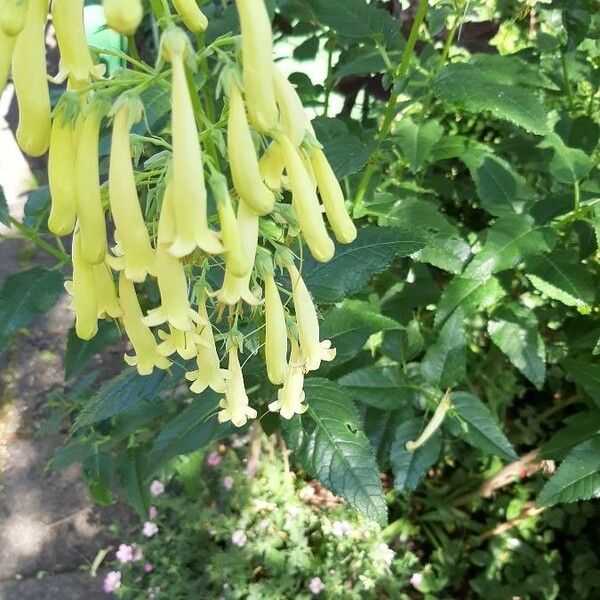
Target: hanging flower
x: 290, y: 398
x: 235, y: 406
x: 123, y: 16
x: 106, y: 292
x: 291, y: 111
x: 183, y: 342
x: 191, y: 15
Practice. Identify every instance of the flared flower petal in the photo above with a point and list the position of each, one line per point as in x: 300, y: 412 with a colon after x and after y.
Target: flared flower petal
x: 184, y: 343
x: 235, y: 407
x: 290, y: 398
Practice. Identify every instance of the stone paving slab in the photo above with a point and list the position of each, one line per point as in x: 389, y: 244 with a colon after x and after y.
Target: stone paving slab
x: 65, y: 586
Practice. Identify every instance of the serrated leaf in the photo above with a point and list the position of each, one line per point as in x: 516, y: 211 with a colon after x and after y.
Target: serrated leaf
x: 471, y: 295
x: 482, y: 431
x: 586, y: 375
x: 514, y: 329
x: 475, y: 90
x: 568, y: 165
x: 579, y: 428
x: 512, y: 70
x: 509, y: 241
x: 80, y: 352
x: 25, y: 295
x: 381, y: 386
x: 353, y: 265
x: 409, y: 468
x: 562, y: 277
x: 97, y: 473
x: 446, y: 253
x: 577, y: 478
x: 130, y: 471
x: 417, y: 140
x: 445, y: 362
x: 329, y: 442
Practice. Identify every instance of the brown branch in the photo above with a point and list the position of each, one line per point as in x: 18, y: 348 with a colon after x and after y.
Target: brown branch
x: 529, y: 510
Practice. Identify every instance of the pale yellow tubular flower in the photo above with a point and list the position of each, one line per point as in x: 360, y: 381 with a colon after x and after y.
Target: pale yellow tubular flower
x: 76, y: 62
x: 237, y: 261
x: 82, y: 288
x: 313, y: 349
x: 275, y: 332
x: 271, y: 166
x: 209, y: 373
x: 191, y: 15
x: 333, y: 197
x: 106, y: 292
x: 13, y: 16
x: 7, y: 45
x: 238, y: 288
x: 189, y: 189
x: 123, y: 16
x: 87, y: 185
x: 172, y: 281
x: 235, y: 407
x: 290, y: 398
x: 61, y: 176
x: 306, y: 204
x: 243, y: 161
x: 291, y: 111
x: 139, y: 258
x: 146, y: 356
x: 183, y: 342
x: 257, y: 55
x: 30, y: 80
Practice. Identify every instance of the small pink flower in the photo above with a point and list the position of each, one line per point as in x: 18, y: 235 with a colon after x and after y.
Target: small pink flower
x: 148, y: 567
x: 124, y: 554
x: 149, y: 529
x: 112, y: 582
x: 152, y: 513
x: 239, y: 538
x: 157, y: 488
x: 228, y: 483
x: 213, y: 459
x: 138, y: 554
x: 416, y: 580
x: 316, y: 586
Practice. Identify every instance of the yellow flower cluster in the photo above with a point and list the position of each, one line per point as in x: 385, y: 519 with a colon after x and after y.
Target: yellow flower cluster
x: 261, y: 104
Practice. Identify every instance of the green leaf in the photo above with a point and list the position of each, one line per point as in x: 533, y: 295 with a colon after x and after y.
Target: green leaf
x: 81, y: 352
x: 381, y: 386
x: 97, y: 473
x: 471, y: 295
x: 346, y: 151
x: 380, y: 428
x: 445, y: 362
x: 130, y: 472
x: 193, y: 428
x: 328, y: 441
x: 512, y: 70
x: 577, y: 478
x: 4, y: 212
x: 514, y: 329
x: 586, y: 375
x: 308, y: 49
x: 417, y: 140
x: 364, y: 60
x: 25, y: 295
x: 469, y: 87
x: 481, y: 431
x: 568, y: 165
x: 355, y: 264
x: 126, y: 393
x: 509, y: 241
x: 409, y: 468
x: 579, y: 428
x: 577, y: 22
x: 562, y: 277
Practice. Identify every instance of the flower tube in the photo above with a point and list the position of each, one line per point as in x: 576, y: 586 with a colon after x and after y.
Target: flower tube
x: 290, y: 398
x: 257, y: 56
x: 333, y: 197
x: 87, y: 186
x: 7, y: 45
x: 188, y: 171
x: 306, y: 204
x: 106, y: 292
x: 291, y: 111
x: 191, y: 15
x: 235, y: 406
x: 13, y: 16
x: 31, y: 85
x: 123, y: 16
x: 138, y: 257
x: 209, y: 372
x: 243, y: 161
x: 61, y: 175
x: 312, y: 348
x: 146, y: 356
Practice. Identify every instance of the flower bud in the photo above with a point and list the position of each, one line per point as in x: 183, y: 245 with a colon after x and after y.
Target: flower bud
x: 138, y: 256
x: 242, y: 156
x: 257, y: 55
x: 275, y: 331
x: 13, y: 15
x: 146, y: 356
x: 191, y: 15
x: 83, y: 290
x: 30, y: 80
x: 123, y: 16
x: 235, y: 406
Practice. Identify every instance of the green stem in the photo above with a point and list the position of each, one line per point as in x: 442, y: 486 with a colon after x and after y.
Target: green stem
x: 161, y: 11
x: 576, y: 197
x: 436, y: 421
x: 568, y: 88
x: 390, y: 111
x: 34, y: 237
